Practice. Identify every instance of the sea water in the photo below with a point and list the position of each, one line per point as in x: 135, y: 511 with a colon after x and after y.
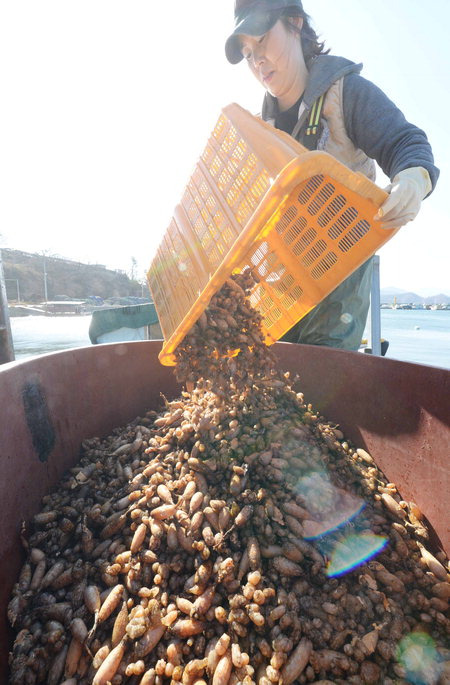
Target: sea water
x: 35, y: 335
x: 420, y: 336
x: 415, y: 335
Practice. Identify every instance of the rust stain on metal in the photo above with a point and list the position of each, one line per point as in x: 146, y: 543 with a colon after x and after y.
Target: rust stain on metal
x: 38, y: 419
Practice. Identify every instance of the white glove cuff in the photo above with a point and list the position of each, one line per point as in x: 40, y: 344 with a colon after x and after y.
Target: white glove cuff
x: 419, y: 176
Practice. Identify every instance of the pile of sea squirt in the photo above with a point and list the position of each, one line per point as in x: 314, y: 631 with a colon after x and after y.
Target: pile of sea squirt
x: 175, y: 551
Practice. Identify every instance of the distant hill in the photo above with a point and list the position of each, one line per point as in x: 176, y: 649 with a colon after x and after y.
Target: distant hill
x: 65, y: 278
x: 402, y: 297
x: 68, y: 279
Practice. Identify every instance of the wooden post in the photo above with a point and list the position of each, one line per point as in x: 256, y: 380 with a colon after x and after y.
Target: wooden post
x: 6, y: 344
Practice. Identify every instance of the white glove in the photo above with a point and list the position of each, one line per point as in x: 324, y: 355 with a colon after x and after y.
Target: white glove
x: 406, y: 192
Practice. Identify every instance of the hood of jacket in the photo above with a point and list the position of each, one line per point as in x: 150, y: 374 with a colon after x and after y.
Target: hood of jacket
x: 324, y: 71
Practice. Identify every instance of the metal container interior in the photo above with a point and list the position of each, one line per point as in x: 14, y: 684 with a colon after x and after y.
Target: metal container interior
x: 399, y: 412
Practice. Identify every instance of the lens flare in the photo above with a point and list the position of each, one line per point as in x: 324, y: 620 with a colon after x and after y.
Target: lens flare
x: 352, y: 551
x: 337, y: 523
x: 330, y: 507
x: 418, y: 655
x: 346, y: 318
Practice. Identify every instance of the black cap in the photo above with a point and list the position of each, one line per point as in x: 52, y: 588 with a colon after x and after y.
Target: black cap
x: 254, y: 18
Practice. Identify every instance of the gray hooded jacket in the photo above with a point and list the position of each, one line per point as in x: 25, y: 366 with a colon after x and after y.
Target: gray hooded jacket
x: 360, y: 123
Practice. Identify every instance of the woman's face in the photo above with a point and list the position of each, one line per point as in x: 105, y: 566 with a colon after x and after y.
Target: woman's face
x: 276, y: 58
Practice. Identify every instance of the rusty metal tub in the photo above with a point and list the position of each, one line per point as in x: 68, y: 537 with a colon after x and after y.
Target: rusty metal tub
x: 398, y: 412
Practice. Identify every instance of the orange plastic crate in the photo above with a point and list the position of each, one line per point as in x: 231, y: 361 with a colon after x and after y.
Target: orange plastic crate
x: 258, y: 198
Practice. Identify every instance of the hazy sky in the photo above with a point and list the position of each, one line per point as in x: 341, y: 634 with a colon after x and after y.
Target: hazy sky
x: 106, y: 106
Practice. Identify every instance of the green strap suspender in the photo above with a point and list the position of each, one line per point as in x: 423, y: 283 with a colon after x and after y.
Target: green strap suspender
x: 313, y: 130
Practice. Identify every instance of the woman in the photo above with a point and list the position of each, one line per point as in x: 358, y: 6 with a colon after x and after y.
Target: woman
x: 323, y: 102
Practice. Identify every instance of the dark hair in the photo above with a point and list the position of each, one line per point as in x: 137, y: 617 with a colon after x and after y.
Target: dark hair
x: 309, y: 39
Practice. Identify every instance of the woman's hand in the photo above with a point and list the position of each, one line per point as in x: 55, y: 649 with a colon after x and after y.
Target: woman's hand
x: 406, y: 192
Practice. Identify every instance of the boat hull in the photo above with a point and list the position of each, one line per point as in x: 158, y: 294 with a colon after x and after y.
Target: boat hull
x: 399, y: 412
